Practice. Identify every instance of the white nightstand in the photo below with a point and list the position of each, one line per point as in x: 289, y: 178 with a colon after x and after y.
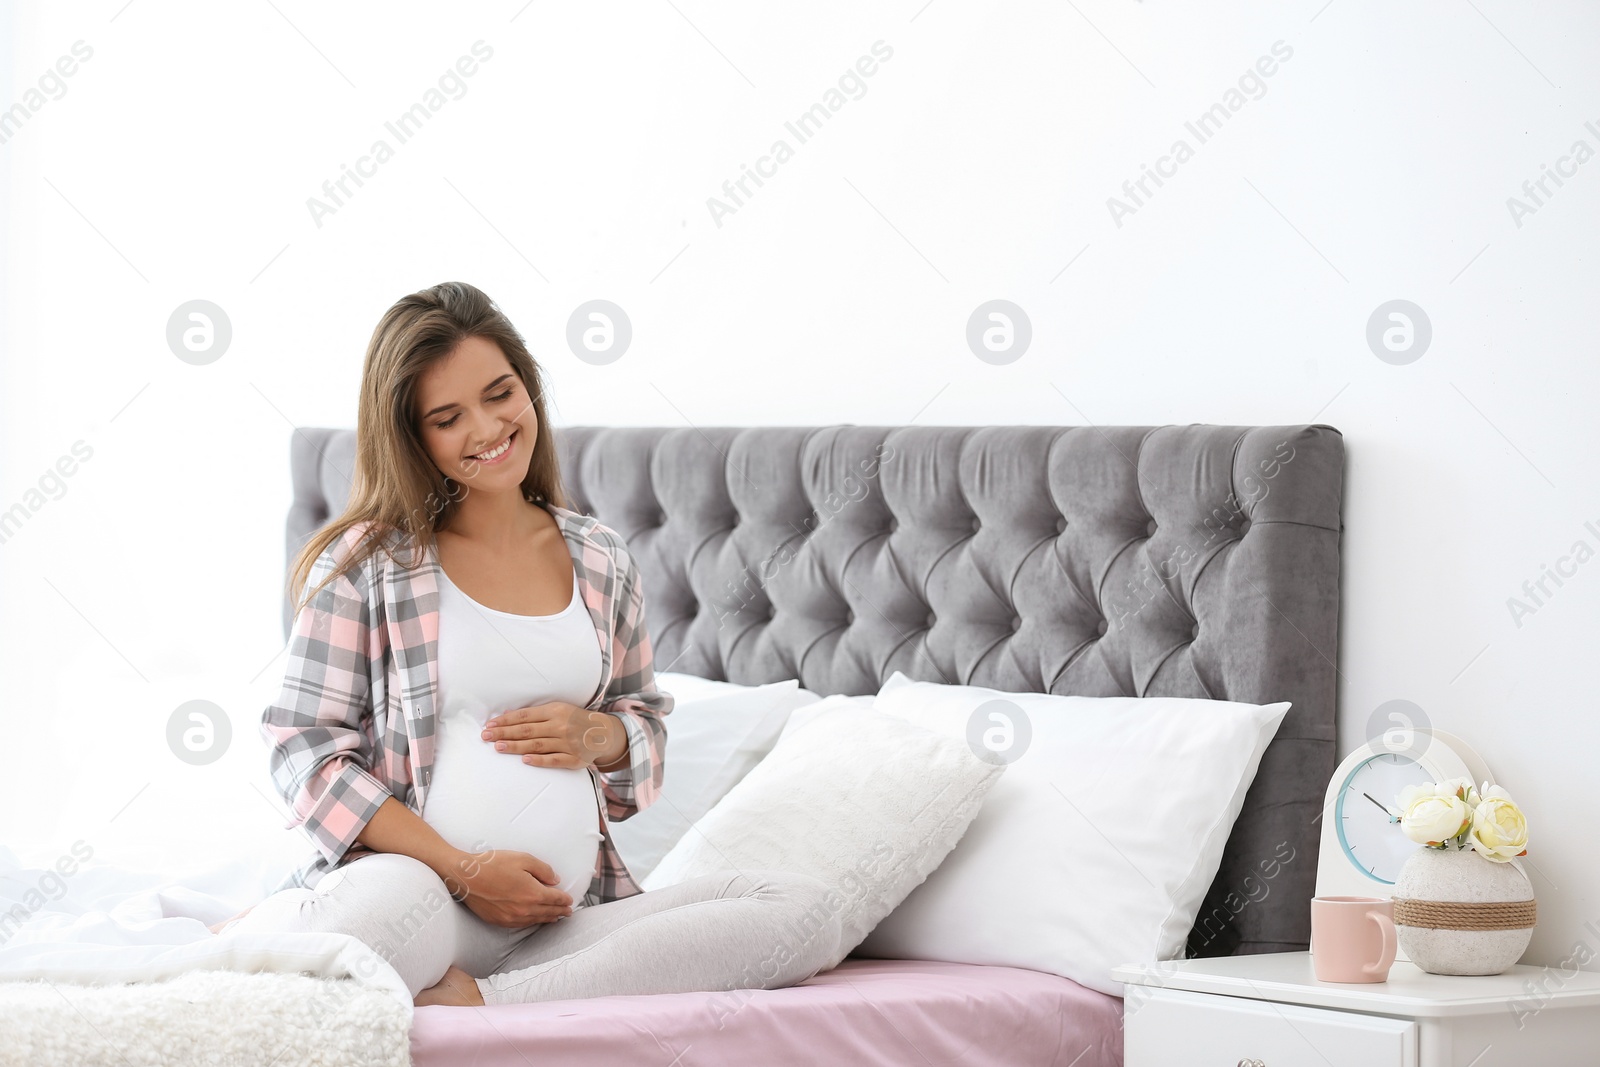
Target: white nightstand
x: 1269, y: 1011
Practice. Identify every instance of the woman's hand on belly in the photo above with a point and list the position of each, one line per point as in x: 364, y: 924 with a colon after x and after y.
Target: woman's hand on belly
x: 511, y: 889
x: 558, y: 734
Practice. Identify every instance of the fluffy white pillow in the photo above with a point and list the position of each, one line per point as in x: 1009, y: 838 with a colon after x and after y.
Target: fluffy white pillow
x: 1097, y: 847
x: 867, y: 802
x: 716, y: 732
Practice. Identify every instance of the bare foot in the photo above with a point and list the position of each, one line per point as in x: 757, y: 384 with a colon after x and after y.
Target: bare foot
x: 456, y: 988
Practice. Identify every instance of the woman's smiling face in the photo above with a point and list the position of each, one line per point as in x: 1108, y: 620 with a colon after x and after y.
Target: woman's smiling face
x: 477, y: 421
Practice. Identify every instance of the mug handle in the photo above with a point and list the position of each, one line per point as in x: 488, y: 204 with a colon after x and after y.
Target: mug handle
x: 1386, y: 928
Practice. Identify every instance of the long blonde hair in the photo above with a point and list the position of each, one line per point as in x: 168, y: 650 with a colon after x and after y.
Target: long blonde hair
x: 396, y: 486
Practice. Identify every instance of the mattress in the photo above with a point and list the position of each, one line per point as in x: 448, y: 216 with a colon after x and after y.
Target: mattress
x: 863, y: 1012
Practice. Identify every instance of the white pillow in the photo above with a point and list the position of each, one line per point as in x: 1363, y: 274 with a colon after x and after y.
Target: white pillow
x: 694, y: 687
x: 867, y: 802
x: 801, y: 716
x: 716, y: 732
x: 1098, y: 846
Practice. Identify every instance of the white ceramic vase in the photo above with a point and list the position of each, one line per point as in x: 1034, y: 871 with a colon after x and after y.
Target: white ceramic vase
x: 1458, y: 913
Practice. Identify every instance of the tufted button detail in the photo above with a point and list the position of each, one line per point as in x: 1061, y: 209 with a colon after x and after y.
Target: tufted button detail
x: 930, y: 620
x: 694, y: 607
x: 894, y: 524
x: 1150, y: 528
x: 661, y: 519
x: 1016, y: 624
x: 975, y: 524
x: 1061, y: 524
x: 772, y: 610
x: 1194, y: 634
x: 1100, y: 627
x: 849, y: 617
x: 736, y: 518
x: 1244, y: 527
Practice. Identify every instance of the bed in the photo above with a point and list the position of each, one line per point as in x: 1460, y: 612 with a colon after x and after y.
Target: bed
x: 882, y: 530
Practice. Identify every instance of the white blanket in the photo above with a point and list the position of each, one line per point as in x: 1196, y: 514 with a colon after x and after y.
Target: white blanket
x: 106, y: 925
x: 209, y: 1017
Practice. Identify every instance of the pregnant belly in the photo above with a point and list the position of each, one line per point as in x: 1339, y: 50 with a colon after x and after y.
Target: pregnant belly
x: 482, y: 799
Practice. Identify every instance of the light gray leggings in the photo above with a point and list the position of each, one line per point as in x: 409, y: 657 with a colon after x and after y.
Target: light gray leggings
x: 729, y: 930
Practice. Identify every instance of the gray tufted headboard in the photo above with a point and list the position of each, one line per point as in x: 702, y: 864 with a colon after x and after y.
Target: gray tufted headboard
x: 1195, y: 561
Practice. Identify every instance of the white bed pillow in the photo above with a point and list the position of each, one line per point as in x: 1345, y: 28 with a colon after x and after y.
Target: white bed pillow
x: 694, y: 687
x: 716, y: 732
x: 867, y: 802
x: 805, y: 714
x: 1097, y: 847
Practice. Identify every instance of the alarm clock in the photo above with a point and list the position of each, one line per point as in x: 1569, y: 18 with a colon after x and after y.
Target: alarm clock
x: 1363, y: 846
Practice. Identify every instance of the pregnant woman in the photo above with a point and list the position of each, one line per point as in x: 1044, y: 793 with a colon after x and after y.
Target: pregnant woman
x: 470, y: 696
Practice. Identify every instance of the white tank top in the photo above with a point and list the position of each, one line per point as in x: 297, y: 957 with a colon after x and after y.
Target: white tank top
x: 480, y: 798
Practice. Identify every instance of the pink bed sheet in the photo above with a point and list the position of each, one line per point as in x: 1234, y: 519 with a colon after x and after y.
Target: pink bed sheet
x: 863, y: 1012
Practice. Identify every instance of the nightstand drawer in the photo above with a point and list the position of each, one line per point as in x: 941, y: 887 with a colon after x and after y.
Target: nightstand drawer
x: 1176, y: 1028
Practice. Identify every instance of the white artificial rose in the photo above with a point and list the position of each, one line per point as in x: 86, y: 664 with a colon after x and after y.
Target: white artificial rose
x: 1413, y: 793
x: 1499, y: 830
x: 1450, y: 787
x: 1430, y: 818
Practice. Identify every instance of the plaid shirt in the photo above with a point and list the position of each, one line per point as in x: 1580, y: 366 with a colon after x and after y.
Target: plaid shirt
x: 354, y: 721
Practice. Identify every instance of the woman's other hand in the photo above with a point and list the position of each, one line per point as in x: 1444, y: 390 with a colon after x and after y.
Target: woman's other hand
x: 506, y: 888
x: 558, y: 734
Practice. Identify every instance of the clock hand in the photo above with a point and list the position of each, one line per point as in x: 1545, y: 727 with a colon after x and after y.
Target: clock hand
x: 1392, y: 816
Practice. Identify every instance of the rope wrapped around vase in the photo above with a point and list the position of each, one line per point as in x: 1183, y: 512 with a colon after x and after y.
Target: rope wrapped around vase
x: 1463, y: 915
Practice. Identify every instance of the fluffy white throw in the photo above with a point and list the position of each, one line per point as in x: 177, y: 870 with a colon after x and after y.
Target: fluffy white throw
x: 204, y: 1017
x: 115, y: 966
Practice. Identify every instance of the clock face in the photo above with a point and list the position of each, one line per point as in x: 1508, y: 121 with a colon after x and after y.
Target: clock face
x: 1368, y: 821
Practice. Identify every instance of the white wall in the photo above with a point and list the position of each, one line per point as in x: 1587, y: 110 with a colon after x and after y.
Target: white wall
x: 1376, y: 165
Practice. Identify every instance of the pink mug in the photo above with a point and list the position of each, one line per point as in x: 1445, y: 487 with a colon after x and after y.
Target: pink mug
x: 1352, y: 938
